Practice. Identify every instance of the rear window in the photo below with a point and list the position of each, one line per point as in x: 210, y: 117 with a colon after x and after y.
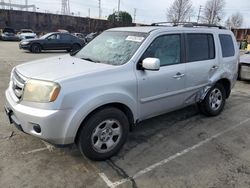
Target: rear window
x: 200, y: 47
x: 227, y: 45
x: 8, y: 30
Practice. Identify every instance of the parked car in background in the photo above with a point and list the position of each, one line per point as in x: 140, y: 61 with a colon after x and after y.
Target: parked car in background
x: 26, y: 34
x: 62, y: 31
x: 79, y: 35
x: 8, y: 34
x: 53, y: 41
x: 90, y: 36
x: 244, y: 67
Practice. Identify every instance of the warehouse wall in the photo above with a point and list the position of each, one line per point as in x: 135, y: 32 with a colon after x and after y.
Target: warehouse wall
x: 41, y: 22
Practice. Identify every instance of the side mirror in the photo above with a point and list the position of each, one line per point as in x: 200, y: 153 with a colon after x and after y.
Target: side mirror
x: 152, y: 64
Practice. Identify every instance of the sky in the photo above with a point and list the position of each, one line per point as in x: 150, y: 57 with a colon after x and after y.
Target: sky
x: 147, y: 11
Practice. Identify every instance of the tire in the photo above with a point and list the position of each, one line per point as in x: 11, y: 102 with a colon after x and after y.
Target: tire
x: 214, y: 102
x: 103, y: 134
x: 36, y: 48
x: 75, y: 47
x: 68, y: 50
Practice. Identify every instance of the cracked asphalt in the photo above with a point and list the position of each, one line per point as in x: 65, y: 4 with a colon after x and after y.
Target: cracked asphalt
x: 223, y: 162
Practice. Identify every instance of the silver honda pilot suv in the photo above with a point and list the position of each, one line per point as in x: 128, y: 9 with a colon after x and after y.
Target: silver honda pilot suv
x: 124, y: 76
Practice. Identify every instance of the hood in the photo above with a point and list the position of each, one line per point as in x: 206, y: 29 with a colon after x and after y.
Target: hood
x: 60, y: 68
x: 245, y: 58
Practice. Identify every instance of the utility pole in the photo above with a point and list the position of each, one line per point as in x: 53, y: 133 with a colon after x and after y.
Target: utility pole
x: 2, y: 1
x: 100, y: 9
x: 89, y: 12
x: 134, y: 14
x: 199, y: 14
x: 26, y: 4
x: 118, y: 12
x: 10, y: 4
x: 212, y: 14
x: 65, y: 7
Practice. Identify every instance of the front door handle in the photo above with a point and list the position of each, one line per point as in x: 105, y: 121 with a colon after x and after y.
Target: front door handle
x: 178, y: 75
x: 215, y: 67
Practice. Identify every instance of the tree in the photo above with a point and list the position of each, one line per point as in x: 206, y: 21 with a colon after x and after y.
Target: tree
x: 237, y: 20
x: 122, y: 16
x: 180, y: 11
x: 234, y: 21
x: 213, y: 11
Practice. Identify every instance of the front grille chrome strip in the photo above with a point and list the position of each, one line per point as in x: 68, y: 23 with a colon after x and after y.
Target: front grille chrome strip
x: 18, y: 82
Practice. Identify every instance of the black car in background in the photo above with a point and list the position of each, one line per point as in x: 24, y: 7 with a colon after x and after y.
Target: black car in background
x: 53, y: 41
x: 91, y: 36
x: 8, y: 34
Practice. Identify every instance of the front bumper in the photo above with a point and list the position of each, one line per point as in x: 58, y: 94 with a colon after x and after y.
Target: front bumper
x: 244, y: 71
x: 53, y: 123
x: 24, y: 47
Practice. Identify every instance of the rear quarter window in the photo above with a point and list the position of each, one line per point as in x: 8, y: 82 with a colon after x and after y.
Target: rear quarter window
x: 227, y: 45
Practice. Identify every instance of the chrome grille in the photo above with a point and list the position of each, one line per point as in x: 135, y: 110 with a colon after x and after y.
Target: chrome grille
x: 18, y: 84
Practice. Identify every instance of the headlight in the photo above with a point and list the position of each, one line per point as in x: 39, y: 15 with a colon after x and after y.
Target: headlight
x: 25, y: 42
x: 41, y: 91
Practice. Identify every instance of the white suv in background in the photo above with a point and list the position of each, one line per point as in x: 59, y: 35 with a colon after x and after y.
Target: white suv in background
x: 26, y: 34
x: 123, y: 76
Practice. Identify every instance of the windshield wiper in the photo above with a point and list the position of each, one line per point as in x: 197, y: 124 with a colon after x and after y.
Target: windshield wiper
x: 89, y: 59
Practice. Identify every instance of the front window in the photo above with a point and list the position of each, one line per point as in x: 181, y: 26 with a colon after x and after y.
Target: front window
x: 114, y: 48
x: 26, y: 31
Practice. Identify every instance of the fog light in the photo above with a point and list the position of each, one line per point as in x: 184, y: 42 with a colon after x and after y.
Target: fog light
x: 37, y: 128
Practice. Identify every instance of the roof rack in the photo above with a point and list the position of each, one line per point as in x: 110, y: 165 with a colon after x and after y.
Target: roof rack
x: 187, y: 24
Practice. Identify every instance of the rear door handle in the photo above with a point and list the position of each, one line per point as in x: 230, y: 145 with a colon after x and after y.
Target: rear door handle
x: 179, y: 75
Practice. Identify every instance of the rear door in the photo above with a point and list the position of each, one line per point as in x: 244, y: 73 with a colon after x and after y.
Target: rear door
x: 201, y: 63
x: 66, y: 41
x: 162, y: 91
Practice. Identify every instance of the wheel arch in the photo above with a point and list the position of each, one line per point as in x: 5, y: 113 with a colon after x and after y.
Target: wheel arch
x: 36, y: 43
x: 226, y: 84
x: 124, y: 108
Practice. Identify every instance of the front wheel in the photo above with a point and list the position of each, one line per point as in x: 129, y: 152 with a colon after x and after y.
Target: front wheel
x: 214, y: 102
x: 36, y: 48
x: 103, y: 134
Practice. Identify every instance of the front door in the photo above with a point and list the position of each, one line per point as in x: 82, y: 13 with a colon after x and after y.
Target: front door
x: 53, y: 42
x: 162, y: 91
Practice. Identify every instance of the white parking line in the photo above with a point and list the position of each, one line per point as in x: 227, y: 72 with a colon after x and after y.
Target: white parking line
x: 106, y: 180
x: 163, y: 162
x: 48, y: 147
x: 34, y: 151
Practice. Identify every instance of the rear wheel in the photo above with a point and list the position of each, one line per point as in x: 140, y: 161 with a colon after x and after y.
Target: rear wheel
x: 103, y: 134
x: 36, y: 48
x: 214, y: 101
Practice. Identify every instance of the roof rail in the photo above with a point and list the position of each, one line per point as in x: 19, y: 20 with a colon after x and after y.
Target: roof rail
x: 188, y: 24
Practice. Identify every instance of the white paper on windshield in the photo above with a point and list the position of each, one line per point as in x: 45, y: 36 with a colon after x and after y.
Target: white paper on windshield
x: 135, y: 38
